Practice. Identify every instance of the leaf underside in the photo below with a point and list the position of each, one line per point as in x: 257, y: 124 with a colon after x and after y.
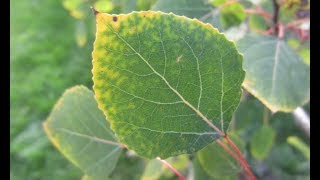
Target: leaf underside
x: 158, y: 77
x: 274, y: 73
x: 79, y: 130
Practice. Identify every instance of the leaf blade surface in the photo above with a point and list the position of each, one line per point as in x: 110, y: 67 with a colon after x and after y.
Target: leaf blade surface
x: 158, y: 84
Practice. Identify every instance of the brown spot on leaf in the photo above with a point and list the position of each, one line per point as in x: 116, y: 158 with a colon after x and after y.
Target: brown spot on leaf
x: 114, y: 18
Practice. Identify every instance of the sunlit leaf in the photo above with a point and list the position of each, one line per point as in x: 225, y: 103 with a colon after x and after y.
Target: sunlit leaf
x: 144, y: 5
x: 217, y: 2
x: 74, y: 7
x: 103, y: 5
x: 300, y: 145
x: 305, y: 55
x: 163, y: 80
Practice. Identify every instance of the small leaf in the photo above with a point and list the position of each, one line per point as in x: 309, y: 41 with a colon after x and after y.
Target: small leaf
x: 189, y: 8
x: 156, y: 170
x: 193, y: 9
x: 274, y: 73
x: 217, y: 162
x: 144, y: 5
x: 74, y: 7
x: 103, y: 5
x: 305, y: 55
x: 300, y: 145
x: 217, y: 2
x: 232, y: 15
x: 293, y: 43
x: 257, y: 22
x: 199, y: 172
x: 165, y: 81
x: 153, y: 170
x: 126, y: 6
x: 283, y: 157
x: 262, y: 142
x: 80, y: 132
x: 81, y: 33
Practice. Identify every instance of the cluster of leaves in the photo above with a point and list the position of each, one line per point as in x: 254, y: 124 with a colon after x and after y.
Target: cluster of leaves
x: 275, y: 84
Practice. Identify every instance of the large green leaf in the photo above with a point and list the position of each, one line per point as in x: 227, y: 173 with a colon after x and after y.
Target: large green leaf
x: 164, y: 80
x: 274, y: 73
x: 79, y: 130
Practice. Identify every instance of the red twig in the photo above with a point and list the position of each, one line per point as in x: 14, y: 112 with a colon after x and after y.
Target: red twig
x: 176, y: 172
x: 241, y: 159
x: 296, y: 22
x: 259, y: 12
x: 280, y: 31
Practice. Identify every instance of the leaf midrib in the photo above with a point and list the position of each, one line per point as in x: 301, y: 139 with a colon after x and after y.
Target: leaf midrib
x: 92, y: 138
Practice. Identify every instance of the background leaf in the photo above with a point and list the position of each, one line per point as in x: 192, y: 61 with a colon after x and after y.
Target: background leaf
x: 130, y: 166
x: 157, y: 170
x: 248, y: 116
x: 218, y: 163
x: 274, y: 73
x: 232, y: 15
x: 189, y: 8
x: 79, y: 130
x: 262, y: 142
x: 300, y: 145
x: 199, y: 172
x: 200, y: 9
x: 157, y: 83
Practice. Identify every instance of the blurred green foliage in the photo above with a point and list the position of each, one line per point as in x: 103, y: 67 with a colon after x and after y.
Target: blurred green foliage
x: 44, y: 61
x: 50, y: 51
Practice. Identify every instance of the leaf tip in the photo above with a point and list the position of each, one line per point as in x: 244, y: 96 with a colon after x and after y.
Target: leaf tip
x: 95, y: 12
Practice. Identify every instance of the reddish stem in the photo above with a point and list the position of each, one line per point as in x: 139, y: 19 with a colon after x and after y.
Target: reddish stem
x: 240, y: 158
x: 176, y: 172
x: 280, y: 31
x: 259, y: 12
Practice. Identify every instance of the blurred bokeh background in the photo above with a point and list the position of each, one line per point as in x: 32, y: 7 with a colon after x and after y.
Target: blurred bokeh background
x: 44, y: 60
